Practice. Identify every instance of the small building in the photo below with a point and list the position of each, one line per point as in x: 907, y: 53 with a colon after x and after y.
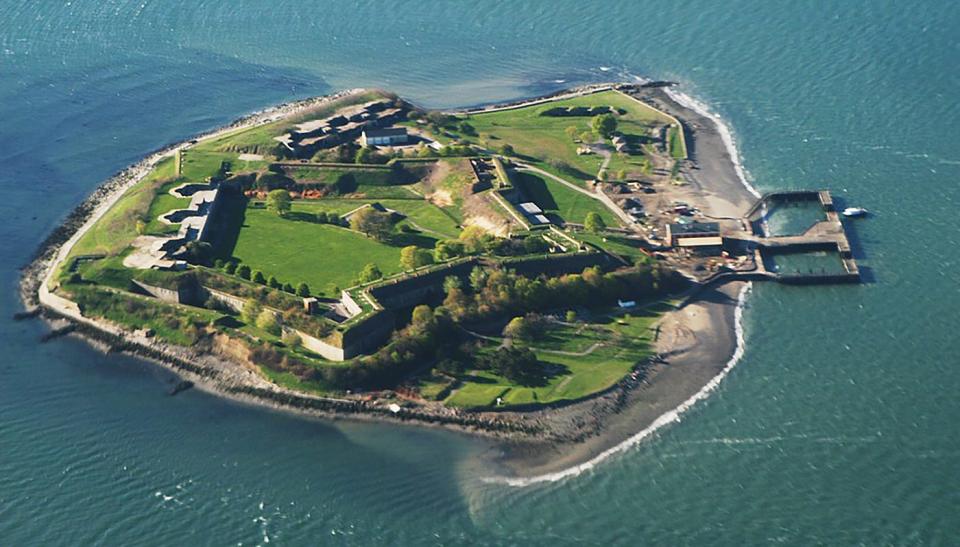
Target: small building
x: 677, y: 233
x: 387, y: 136
x: 530, y: 208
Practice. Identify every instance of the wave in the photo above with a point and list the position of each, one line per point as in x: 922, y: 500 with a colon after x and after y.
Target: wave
x: 663, y: 420
x: 725, y: 134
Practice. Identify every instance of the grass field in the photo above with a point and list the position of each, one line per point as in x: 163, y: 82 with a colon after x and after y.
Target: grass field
x: 316, y: 254
x: 625, y: 341
x: 567, y: 203
x: 617, y: 244
x: 544, y: 137
x: 117, y: 228
x: 435, y: 222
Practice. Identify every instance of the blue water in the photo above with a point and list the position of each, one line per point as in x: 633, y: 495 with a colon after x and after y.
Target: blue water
x: 838, y: 426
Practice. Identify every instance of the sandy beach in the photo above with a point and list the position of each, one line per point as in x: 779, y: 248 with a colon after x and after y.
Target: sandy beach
x: 699, y: 340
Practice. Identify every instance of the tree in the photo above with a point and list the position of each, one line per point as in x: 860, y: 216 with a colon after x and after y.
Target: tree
x: 507, y: 150
x: 519, y: 328
x: 571, y: 131
x: 274, y: 283
x: 230, y: 267
x: 251, y: 309
x: 594, y: 222
x: 451, y: 282
x: 303, y: 290
x: 267, y: 321
x: 412, y: 257
x: 604, y: 124
x: 519, y: 365
x: 447, y: 249
x: 289, y: 288
x: 422, y: 318
x: 571, y: 316
x: 586, y: 137
x: 373, y: 223
x: 243, y: 271
x: 141, y: 227
x: 259, y: 278
x: 322, y: 218
x: 370, y: 272
x: 621, y: 174
x: 278, y: 201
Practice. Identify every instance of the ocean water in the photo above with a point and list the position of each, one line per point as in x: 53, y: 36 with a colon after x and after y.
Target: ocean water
x: 838, y: 425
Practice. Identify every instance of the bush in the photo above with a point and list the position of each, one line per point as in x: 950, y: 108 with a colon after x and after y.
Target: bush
x: 291, y: 340
x: 267, y: 321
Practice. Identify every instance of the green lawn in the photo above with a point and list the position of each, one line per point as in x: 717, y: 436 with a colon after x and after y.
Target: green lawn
x: 626, y: 341
x: 117, y: 228
x: 567, y: 203
x: 616, y: 244
x: 432, y: 219
x: 298, y: 251
x: 163, y: 203
x: 544, y: 137
x: 198, y: 164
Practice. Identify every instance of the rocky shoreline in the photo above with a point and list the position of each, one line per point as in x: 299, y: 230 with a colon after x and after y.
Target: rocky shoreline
x: 533, y: 442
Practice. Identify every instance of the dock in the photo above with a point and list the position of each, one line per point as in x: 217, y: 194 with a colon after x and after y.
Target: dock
x: 827, y: 235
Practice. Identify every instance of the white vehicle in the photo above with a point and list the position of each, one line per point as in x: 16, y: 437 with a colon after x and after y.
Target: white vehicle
x: 855, y: 212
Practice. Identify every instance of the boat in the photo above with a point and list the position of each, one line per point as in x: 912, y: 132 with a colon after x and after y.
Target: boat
x: 855, y: 212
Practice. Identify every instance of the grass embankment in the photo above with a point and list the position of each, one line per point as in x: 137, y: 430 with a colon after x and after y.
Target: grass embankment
x: 598, y: 354
x: 118, y: 226
x: 544, y: 138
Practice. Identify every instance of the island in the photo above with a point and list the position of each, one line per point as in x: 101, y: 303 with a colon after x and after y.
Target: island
x: 562, y: 272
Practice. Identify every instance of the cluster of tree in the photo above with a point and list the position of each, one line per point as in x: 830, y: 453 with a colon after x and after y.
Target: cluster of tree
x: 604, y: 125
x: 594, y: 223
x: 493, y: 292
x: 244, y: 272
x: 517, y: 364
x: 412, y: 257
x: 334, y: 219
x: 374, y: 223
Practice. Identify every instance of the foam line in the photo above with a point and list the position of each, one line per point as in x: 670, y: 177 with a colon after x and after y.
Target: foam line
x: 663, y: 420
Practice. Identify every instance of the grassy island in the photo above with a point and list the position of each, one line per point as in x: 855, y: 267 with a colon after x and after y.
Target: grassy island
x: 469, y: 259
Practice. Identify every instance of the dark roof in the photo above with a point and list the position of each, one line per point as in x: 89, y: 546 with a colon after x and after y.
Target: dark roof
x: 388, y: 132
x: 695, y: 228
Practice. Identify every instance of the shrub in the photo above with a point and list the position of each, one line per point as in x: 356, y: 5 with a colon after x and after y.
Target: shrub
x: 267, y: 321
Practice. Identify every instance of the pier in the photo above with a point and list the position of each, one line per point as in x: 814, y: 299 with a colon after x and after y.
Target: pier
x: 827, y: 235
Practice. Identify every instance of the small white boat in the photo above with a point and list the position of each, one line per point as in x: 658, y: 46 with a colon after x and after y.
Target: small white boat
x: 855, y: 212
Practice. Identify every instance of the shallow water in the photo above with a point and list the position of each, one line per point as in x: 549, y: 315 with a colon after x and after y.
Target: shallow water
x: 837, y: 426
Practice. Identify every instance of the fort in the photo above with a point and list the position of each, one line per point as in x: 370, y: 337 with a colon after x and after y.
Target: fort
x: 513, y: 256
